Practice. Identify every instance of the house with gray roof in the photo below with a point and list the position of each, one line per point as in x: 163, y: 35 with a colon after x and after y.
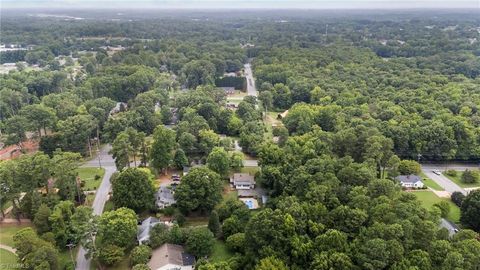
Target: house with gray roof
x: 410, y: 181
x: 164, y: 197
x: 243, y: 181
x: 143, y: 234
x: 171, y: 257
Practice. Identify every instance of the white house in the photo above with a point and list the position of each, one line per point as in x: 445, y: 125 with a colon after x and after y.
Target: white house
x: 410, y: 181
x: 143, y: 234
x: 171, y: 257
x: 243, y: 181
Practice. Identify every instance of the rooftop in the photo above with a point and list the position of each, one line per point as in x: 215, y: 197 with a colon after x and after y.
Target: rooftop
x: 408, y: 178
x: 243, y: 178
x: 170, y: 254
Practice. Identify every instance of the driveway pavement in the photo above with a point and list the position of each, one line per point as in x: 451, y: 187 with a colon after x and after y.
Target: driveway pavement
x: 441, y: 179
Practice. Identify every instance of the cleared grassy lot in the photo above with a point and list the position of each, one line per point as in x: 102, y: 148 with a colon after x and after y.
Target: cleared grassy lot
x: 8, y: 260
x: 88, y: 175
x: 7, y: 231
x: 428, y: 199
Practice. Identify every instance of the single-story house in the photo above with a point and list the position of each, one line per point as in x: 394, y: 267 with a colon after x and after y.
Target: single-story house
x: 410, y: 181
x: 144, y: 228
x: 164, y: 197
x: 171, y: 257
x: 243, y: 181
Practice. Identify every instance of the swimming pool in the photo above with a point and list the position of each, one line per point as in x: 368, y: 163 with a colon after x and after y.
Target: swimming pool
x: 249, y: 203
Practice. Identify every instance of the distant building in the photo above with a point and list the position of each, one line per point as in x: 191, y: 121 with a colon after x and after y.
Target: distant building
x: 410, y: 181
x: 228, y: 90
x: 119, y: 107
x: 164, y: 197
x: 171, y: 257
x: 243, y: 181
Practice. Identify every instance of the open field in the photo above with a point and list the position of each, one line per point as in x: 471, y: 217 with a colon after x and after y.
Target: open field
x: 428, y: 199
x: 8, y: 230
x: 8, y: 260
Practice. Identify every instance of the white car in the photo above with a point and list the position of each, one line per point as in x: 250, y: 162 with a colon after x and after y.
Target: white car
x: 437, y: 172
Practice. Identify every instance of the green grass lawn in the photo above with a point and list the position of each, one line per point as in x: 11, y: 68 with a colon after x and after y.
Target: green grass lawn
x: 430, y: 183
x: 428, y: 199
x: 196, y: 221
x: 88, y: 175
x: 8, y: 230
x: 250, y: 170
x: 220, y: 252
x: 7, y: 260
x: 458, y: 180
x: 65, y: 258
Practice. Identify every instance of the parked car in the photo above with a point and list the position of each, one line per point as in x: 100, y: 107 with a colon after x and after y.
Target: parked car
x: 437, y: 172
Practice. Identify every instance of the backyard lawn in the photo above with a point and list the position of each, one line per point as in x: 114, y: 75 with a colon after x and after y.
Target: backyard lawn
x: 88, y: 175
x: 428, y: 199
x: 458, y: 180
x: 8, y: 230
x: 7, y: 260
x: 220, y: 252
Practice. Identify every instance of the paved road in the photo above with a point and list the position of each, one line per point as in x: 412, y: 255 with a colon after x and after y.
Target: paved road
x: 251, y: 89
x: 442, y: 180
x: 108, y: 163
x: 451, y: 166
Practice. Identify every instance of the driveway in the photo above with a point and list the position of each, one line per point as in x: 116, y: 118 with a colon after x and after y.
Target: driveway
x: 441, y: 179
x: 108, y: 163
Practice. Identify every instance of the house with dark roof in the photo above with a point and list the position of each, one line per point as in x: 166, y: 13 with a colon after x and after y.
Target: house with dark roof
x: 171, y: 257
x: 243, y: 181
x: 164, y: 197
x: 410, y: 181
x: 143, y: 234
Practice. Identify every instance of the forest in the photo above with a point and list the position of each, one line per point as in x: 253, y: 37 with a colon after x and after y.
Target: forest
x: 345, y: 104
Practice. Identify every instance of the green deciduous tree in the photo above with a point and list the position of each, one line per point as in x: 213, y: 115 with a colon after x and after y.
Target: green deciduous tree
x: 118, y: 227
x: 200, y: 189
x: 200, y: 242
x: 133, y: 188
x: 218, y: 161
x: 161, y: 153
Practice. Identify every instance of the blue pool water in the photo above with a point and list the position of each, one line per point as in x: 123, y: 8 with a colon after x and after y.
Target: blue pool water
x: 249, y: 204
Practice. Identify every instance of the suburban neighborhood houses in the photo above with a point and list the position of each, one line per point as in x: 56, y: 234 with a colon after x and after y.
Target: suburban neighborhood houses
x: 410, y: 181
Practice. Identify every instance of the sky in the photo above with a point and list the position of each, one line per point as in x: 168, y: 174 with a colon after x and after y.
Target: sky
x: 243, y: 4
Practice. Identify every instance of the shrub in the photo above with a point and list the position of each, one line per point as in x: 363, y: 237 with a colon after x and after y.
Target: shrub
x: 457, y: 198
x: 444, y: 208
x: 140, y: 255
x: 179, y: 218
x: 470, y: 177
x: 141, y: 267
x: 236, y: 242
x: 110, y: 254
x: 452, y: 173
x: 97, y: 177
